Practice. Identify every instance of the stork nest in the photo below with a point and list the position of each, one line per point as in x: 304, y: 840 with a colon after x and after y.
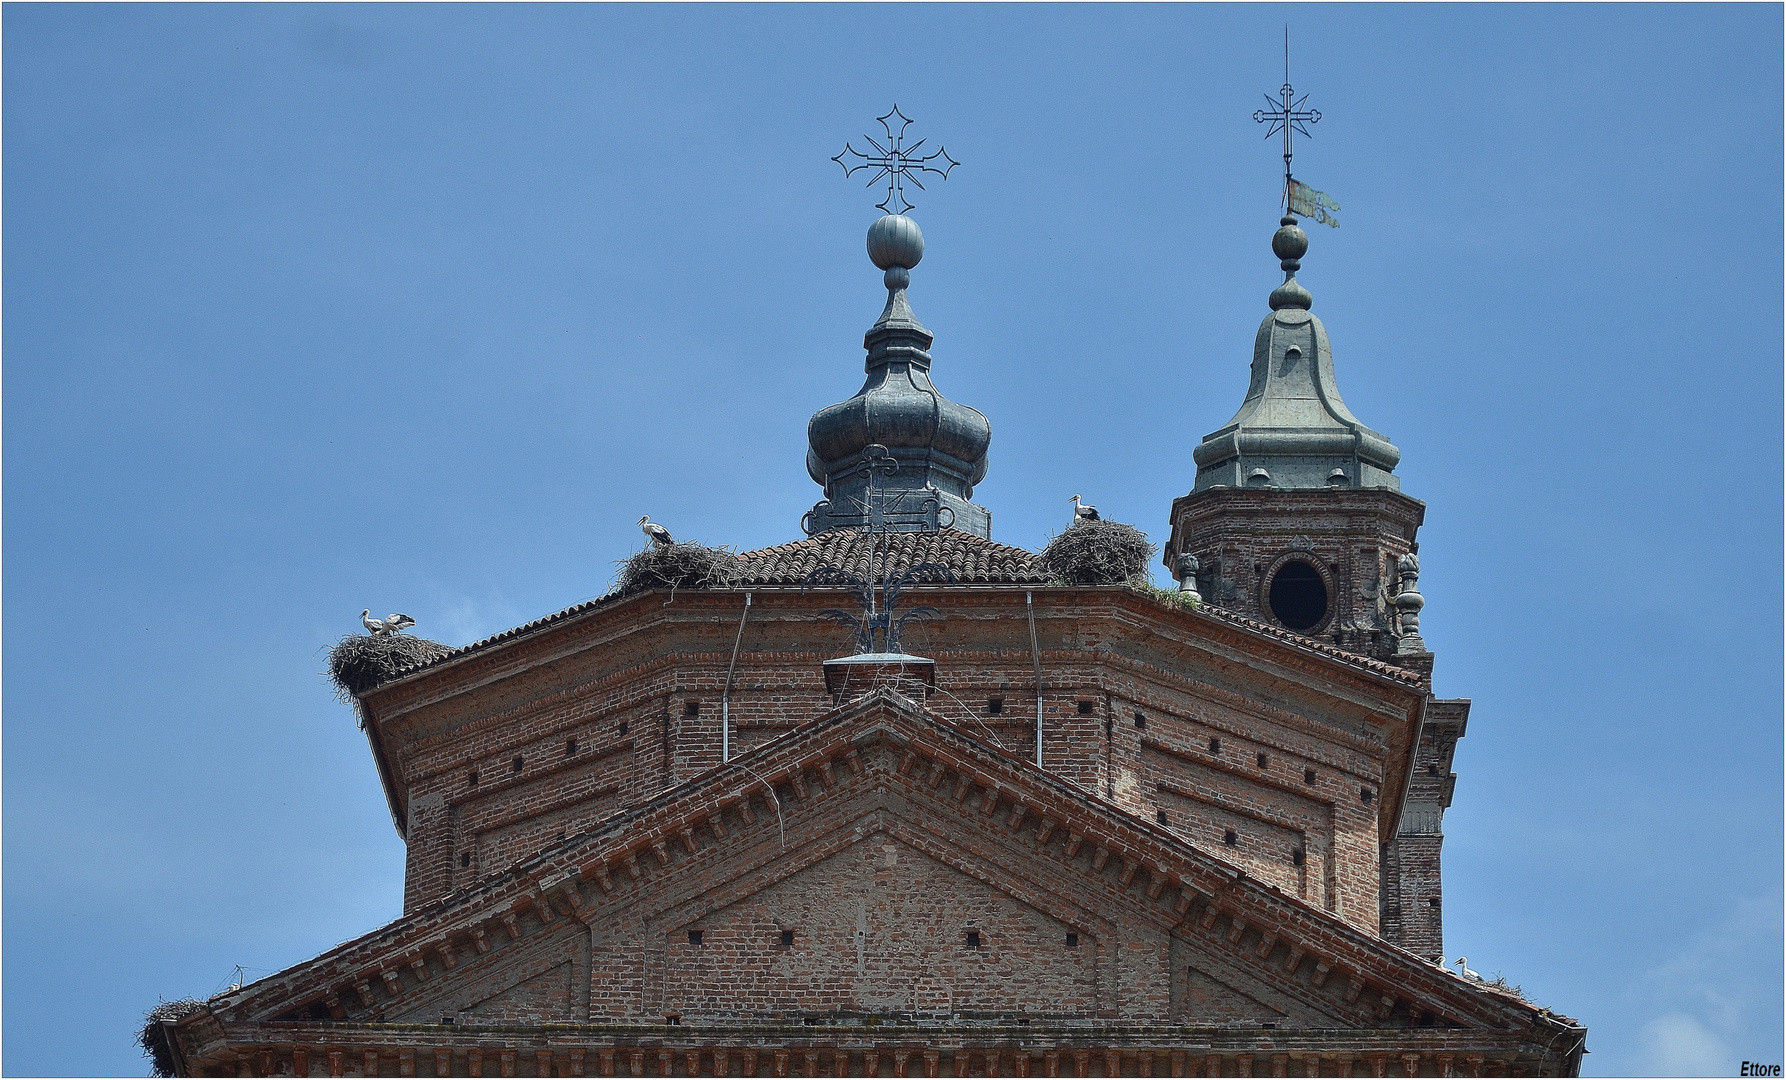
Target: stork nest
x: 678, y: 566
x: 153, y: 1039
x: 1097, y: 553
x: 359, y: 662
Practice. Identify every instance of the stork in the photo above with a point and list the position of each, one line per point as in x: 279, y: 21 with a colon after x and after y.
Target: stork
x: 390, y: 624
x: 1463, y: 969
x: 658, y: 534
x: 1083, y: 513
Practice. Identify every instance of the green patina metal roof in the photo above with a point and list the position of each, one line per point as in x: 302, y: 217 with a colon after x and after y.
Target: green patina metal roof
x: 1294, y: 431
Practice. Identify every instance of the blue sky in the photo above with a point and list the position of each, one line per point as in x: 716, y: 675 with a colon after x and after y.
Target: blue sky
x: 316, y: 308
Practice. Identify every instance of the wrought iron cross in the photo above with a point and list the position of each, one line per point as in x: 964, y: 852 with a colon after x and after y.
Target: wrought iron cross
x: 896, y: 163
x: 1287, y: 115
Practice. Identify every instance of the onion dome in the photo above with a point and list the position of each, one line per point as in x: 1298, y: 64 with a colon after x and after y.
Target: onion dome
x: 898, y: 455
x: 1294, y: 431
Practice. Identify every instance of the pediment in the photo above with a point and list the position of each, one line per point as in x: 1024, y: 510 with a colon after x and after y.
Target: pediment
x: 796, y: 836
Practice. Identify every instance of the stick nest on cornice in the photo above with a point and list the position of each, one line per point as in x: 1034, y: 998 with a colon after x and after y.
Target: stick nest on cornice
x: 153, y: 1037
x: 360, y: 662
x: 1097, y: 553
x: 678, y: 566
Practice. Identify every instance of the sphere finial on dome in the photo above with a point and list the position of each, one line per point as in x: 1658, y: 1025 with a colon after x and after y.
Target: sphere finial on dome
x: 896, y: 244
x: 1290, y: 244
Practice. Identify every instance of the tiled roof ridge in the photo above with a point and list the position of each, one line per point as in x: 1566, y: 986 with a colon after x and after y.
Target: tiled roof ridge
x: 786, y: 567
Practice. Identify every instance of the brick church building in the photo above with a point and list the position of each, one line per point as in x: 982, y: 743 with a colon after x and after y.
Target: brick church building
x: 1074, y: 830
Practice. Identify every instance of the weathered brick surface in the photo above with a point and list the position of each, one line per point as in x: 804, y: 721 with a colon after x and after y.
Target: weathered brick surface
x: 800, y: 840
x: 1108, y: 656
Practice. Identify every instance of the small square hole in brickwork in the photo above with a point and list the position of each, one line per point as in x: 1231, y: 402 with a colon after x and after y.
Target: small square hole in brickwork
x: 1215, y: 746
x: 1432, y: 770
x: 623, y: 727
x: 465, y: 858
x: 1072, y: 941
x: 1263, y: 761
x: 1296, y: 857
x: 1140, y: 720
x: 812, y: 1021
x: 1162, y: 816
x: 691, y: 708
x: 787, y: 939
x: 518, y: 764
x: 1308, y: 776
x: 570, y: 748
x: 672, y: 1019
x: 473, y: 777
x: 1085, y: 708
x: 1432, y: 901
x: 973, y: 939
x: 995, y: 706
x: 1229, y: 838
x: 446, y: 1020
x: 1366, y: 794
x: 694, y: 937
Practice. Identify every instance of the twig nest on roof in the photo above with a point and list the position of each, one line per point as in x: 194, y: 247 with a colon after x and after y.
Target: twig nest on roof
x: 678, y: 566
x: 359, y: 662
x: 153, y: 1039
x: 1097, y: 553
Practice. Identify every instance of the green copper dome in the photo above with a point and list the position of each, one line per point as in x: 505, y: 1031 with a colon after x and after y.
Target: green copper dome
x: 1294, y: 431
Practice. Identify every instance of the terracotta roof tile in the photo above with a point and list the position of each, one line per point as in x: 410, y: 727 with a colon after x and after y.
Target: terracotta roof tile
x: 975, y: 561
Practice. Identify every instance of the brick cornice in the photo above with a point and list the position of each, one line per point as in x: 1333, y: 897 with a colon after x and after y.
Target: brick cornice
x: 1180, y: 887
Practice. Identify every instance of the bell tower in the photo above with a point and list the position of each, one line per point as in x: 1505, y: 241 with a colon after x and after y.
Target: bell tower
x: 1296, y: 516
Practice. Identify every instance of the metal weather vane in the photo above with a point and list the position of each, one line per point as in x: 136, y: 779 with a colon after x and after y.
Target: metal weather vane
x: 876, y: 617
x: 1289, y: 115
x: 896, y: 163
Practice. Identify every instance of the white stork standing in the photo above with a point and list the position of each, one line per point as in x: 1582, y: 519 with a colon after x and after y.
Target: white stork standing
x: 1083, y: 513
x: 1463, y: 969
x: 658, y: 534
x: 390, y: 624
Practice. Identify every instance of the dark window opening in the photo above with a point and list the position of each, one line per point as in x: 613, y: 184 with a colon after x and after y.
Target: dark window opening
x: 473, y: 777
x: 1215, y: 746
x: 691, y: 708
x: 1432, y: 901
x: 465, y: 858
x: 623, y: 727
x: 1229, y: 838
x: 1308, y: 776
x: 672, y: 1019
x: 1298, y: 596
x: 446, y: 1020
x: 1072, y: 941
x: 973, y: 939
x: 1262, y: 761
x: 694, y: 937
x: 995, y: 706
x: 518, y: 763
x: 1162, y: 815
x: 1297, y: 857
x: 570, y: 748
x: 1085, y: 708
x: 1366, y: 794
x: 1140, y: 720
x: 787, y: 939
x: 1432, y: 770
x: 812, y: 1021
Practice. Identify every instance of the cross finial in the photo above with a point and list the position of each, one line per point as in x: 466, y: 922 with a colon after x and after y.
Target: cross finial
x: 896, y: 162
x: 1287, y: 115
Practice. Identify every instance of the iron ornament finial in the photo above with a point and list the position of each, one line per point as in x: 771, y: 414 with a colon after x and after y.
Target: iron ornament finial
x: 1287, y: 115
x: 896, y: 163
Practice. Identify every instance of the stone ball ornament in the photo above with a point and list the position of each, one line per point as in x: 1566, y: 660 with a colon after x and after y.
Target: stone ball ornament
x: 895, y: 242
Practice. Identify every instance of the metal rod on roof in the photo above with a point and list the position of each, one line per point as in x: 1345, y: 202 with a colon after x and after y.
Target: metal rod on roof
x: 725, y: 694
x: 1029, y: 602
